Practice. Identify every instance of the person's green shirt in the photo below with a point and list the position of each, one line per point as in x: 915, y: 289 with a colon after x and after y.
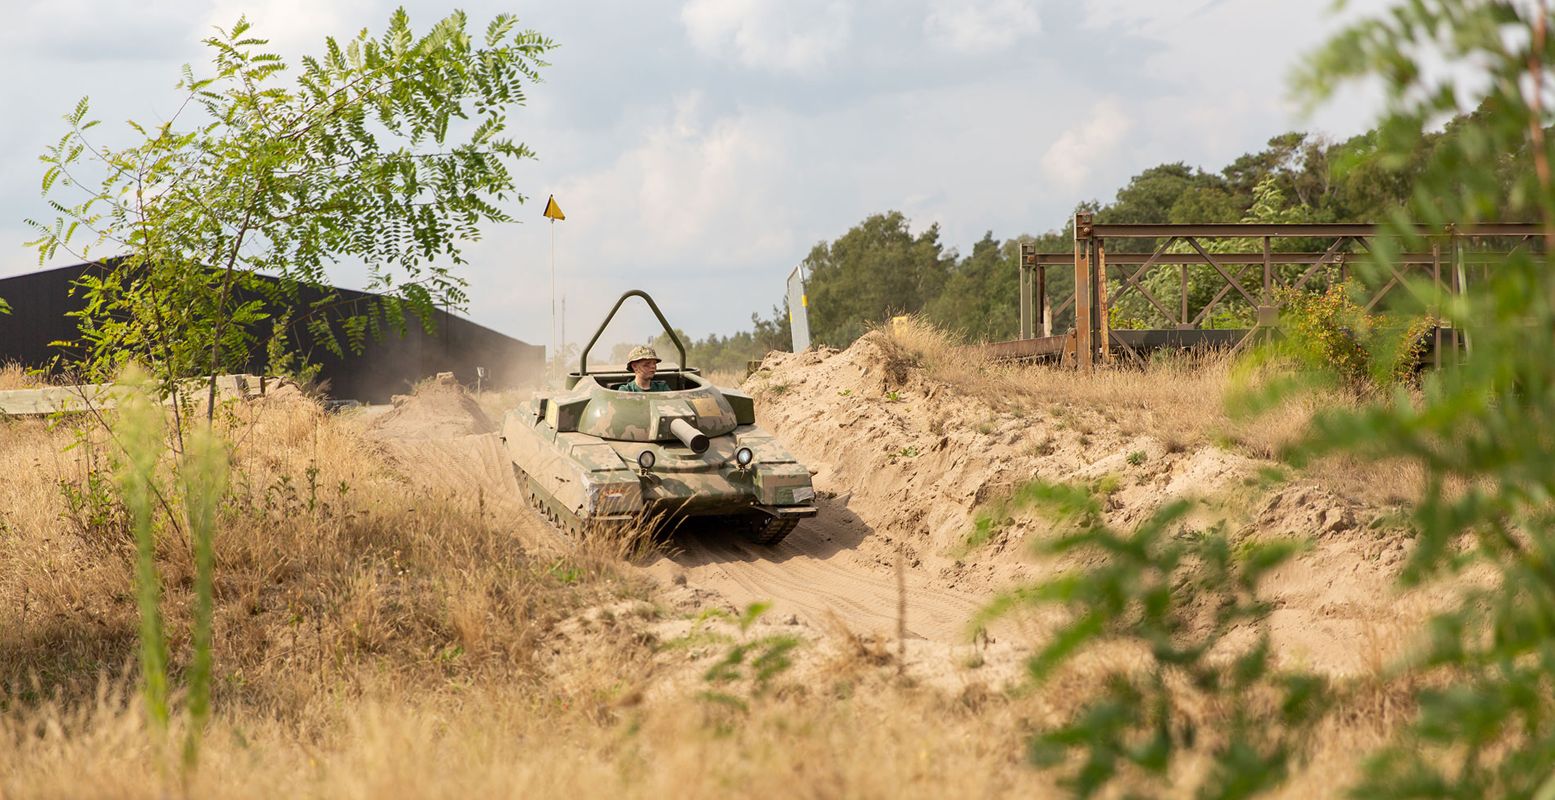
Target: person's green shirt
x: 653, y: 386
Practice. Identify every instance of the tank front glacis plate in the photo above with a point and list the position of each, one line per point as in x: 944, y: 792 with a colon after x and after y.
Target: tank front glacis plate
x: 590, y: 476
x: 779, y: 479
x: 682, y: 483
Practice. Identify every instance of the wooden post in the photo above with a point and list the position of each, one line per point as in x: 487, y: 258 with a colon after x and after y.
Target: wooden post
x: 1026, y: 261
x: 1268, y: 274
x: 1103, y: 311
x: 1084, y: 316
x: 1268, y: 314
x: 1044, y: 305
x: 1025, y: 303
x: 1460, y: 284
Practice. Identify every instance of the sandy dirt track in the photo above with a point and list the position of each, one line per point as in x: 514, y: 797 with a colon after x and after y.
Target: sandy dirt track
x: 902, y: 464
x: 815, y: 574
x: 441, y: 440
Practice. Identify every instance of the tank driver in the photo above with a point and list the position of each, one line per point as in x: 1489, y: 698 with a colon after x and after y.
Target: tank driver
x: 643, y: 363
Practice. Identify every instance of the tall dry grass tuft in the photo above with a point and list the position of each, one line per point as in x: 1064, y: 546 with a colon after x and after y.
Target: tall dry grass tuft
x: 1169, y: 394
x: 604, y: 548
x: 14, y: 375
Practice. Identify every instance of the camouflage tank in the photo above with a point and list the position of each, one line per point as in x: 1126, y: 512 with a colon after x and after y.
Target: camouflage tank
x: 593, y: 454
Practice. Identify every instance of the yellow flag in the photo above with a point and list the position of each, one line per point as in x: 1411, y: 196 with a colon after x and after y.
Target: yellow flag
x: 552, y: 210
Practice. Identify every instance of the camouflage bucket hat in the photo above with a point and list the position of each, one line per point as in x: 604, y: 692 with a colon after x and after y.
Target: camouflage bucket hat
x: 641, y: 352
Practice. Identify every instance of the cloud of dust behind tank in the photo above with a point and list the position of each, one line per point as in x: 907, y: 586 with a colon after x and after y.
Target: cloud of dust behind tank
x: 477, y: 356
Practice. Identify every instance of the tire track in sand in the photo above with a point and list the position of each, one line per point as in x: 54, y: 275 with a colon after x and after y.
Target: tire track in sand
x: 812, y: 577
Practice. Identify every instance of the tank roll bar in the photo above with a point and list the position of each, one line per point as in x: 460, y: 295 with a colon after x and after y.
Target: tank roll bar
x: 583, y: 358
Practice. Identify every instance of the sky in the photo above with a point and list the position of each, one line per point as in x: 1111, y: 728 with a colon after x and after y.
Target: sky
x: 701, y: 148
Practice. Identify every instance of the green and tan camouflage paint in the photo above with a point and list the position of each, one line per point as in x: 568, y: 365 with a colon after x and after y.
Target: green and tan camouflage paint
x: 580, y: 447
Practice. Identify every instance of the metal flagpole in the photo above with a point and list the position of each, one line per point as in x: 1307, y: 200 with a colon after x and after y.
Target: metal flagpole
x: 553, y: 212
x: 554, y: 353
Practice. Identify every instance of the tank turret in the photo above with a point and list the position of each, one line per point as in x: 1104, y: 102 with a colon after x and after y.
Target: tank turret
x: 593, y: 453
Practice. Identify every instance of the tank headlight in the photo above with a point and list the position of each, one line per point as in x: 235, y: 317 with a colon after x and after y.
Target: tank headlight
x: 646, y: 459
x: 744, y: 456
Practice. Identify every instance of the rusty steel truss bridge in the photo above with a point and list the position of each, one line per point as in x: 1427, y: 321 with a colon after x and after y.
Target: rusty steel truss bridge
x: 1244, y: 270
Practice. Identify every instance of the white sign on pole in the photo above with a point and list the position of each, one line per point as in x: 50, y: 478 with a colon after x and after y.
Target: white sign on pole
x: 798, y: 311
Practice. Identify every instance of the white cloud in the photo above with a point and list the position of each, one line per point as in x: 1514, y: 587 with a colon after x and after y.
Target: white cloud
x: 980, y: 26
x: 777, y: 35
x: 90, y: 31
x: 688, y: 188
x: 296, y: 27
x: 1077, y: 151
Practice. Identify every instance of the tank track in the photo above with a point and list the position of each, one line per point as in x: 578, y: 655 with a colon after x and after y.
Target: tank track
x: 772, y: 530
x: 564, y: 523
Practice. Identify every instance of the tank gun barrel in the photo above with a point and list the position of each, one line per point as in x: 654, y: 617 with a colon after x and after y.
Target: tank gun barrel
x: 689, y: 436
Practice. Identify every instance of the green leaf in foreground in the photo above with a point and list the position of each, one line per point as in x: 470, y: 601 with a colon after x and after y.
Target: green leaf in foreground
x: 1173, y: 602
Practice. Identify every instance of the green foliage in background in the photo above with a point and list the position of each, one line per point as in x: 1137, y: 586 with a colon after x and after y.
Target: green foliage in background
x: 389, y: 151
x: 1174, y: 595
x: 1483, y: 430
x: 1209, y: 301
x: 876, y: 270
x: 712, y: 353
x: 715, y: 353
x: 879, y: 268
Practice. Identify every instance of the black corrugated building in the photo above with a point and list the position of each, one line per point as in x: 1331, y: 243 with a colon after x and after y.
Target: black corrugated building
x: 40, y: 302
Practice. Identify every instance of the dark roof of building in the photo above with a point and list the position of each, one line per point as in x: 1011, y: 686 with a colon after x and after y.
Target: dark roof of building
x: 41, y: 303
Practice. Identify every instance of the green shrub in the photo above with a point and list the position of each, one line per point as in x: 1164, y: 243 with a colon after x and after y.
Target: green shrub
x: 1367, y: 352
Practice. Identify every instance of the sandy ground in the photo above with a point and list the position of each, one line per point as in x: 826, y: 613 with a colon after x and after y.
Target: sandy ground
x: 901, y: 464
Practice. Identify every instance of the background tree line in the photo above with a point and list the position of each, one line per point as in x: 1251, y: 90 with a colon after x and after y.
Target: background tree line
x: 880, y: 268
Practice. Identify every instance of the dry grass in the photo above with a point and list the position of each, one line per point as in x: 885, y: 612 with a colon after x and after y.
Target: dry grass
x: 730, y: 378
x: 378, y: 639
x: 1168, y: 396
x: 330, y: 569
x: 593, y: 741
x: 17, y: 376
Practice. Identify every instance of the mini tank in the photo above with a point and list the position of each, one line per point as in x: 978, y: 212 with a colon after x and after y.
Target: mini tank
x: 591, y: 454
